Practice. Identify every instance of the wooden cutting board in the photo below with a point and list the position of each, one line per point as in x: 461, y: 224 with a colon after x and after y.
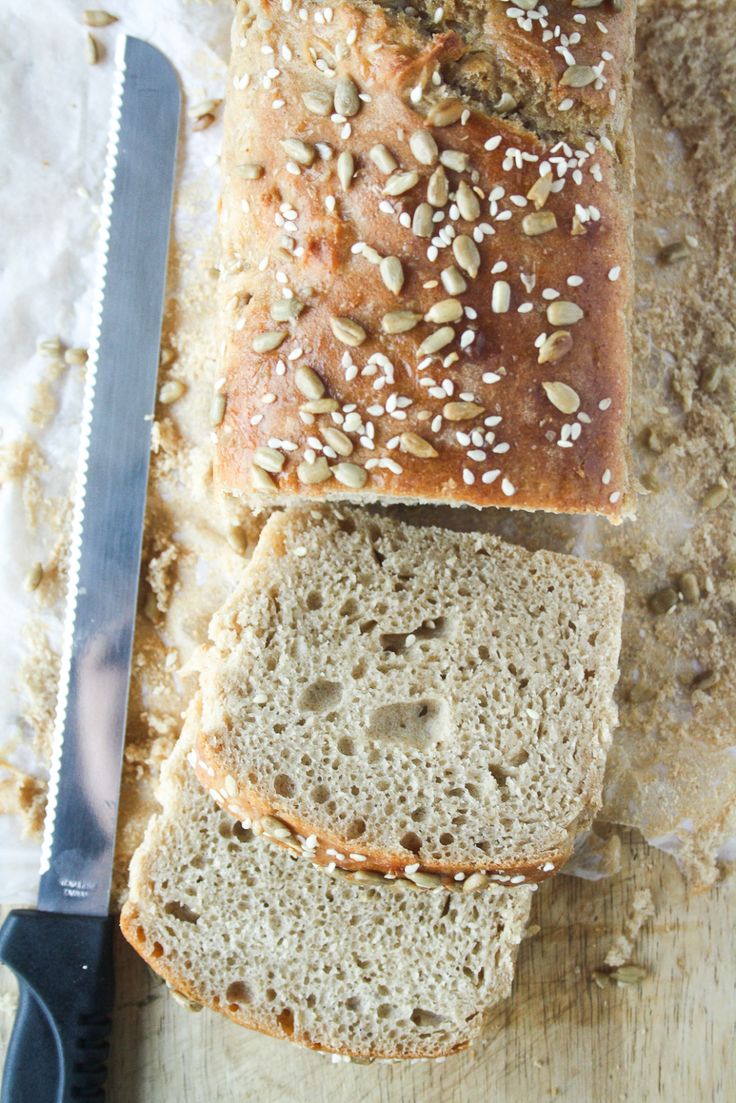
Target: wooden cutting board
x: 559, y: 1037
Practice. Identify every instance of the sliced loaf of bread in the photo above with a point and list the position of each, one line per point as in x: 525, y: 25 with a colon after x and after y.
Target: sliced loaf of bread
x: 409, y: 701
x: 242, y: 927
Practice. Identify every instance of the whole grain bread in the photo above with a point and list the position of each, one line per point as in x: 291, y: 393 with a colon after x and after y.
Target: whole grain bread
x: 410, y: 701
x: 240, y: 926
x: 425, y: 290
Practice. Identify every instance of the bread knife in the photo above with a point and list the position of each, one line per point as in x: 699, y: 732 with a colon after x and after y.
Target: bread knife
x: 61, y: 952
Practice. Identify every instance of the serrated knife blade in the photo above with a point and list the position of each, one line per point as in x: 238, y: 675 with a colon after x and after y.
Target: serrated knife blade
x: 62, y: 952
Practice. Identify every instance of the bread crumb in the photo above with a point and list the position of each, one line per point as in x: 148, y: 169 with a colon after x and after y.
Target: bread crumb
x: 622, y: 947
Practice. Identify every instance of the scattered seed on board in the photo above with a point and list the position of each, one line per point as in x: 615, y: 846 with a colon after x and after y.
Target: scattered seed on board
x: 663, y: 600
x: 715, y: 497
x: 91, y: 50
x: 689, y: 587
x: 95, y: 17
x: 34, y: 578
x: 673, y: 253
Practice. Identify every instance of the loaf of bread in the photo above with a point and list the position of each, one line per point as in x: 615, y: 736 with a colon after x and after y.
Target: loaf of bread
x: 410, y: 702
x: 240, y: 926
x: 426, y: 269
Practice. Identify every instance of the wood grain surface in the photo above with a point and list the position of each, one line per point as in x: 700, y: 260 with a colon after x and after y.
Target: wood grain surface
x: 559, y: 1036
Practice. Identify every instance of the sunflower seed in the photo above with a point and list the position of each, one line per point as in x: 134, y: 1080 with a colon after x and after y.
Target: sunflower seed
x: 421, y: 223
x: 261, y: 480
x: 689, y: 588
x: 500, y: 297
x: 267, y: 342
x: 383, y: 159
x: 447, y: 310
x: 540, y: 190
x: 345, y: 169
x: 628, y: 974
x: 715, y: 497
x: 474, y: 882
x: 337, y: 440
x: 319, y: 406
x: 662, y: 601
x: 286, y: 310
x: 34, y: 578
x: 673, y: 253
x: 586, y: 3
x: 170, y: 391
x: 318, y: 102
x: 578, y: 76
x: 466, y: 254
x: 268, y: 459
x: 76, y: 357
x: 371, y: 255
x: 217, y: 409
x: 308, y: 383
x: 95, y: 17
x: 562, y: 397
x: 455, y: 160
x: 467, y: 202
x: 366, y: 877
x: 540, y: 222
x: 417, y: 446
x: 392, y: 274
x: 453, y: 281
x: 436, y: 341
x: 347, y: 101
x: 350, y: 474
x: 577, y: 227
x: 249, y: 171
x: 526, y: 5
x: 425, y: 880
x: 91, y: 50
x: 311, y: 473
x: 561, y: 313
x: 347, y: 331
x: 401, y: 182
x: 299, y: 151
x: 274, y: 827
x: 462, y: 411
x: 51, y: 348
x: 445, y: 113
x: 505, y: 104
x: 555, y: 347
x: 437, y: 189
x: 400, y: 321
x: 424, y: 147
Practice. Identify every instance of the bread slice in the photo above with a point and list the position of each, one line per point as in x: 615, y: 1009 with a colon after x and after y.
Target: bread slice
x: 411, y: 701
x: 425, y: 292
x: 240, y: 926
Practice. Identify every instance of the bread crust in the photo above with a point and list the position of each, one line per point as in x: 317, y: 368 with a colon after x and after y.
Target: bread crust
x: 534, y: 456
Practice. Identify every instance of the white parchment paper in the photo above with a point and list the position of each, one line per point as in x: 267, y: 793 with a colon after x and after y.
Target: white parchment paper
x: 53, y: 132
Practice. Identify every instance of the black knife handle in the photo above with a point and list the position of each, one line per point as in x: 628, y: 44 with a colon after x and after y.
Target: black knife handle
x: 59, y: 1045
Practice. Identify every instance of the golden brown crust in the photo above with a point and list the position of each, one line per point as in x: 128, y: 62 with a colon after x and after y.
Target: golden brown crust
x: 296, y: 230
x: 336, y: 854
x: 133, y: 930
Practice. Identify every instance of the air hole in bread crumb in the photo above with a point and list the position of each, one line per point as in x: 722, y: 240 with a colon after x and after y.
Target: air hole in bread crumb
x: 498, y: 773
x: 346, y: 746
x: 285, y: 1019
x: 314, y: 601
x: 411, y: 842
x: 384, y: 1011
x: 180, y: 911
x: 431, y: 628
x: 423, y: 1018
x: 413, y: 723
x: 419, y: 814
x: 349, y: 608
x: 353, y: 1003
x: 320, y: 793
x: 237, y: 993
x: 283, y: 785
x: 321, y: 696
x: 355, y: 828
x: 346, y: 524
x: 367, y: 626
x: 358, y: 670
x: 270, y: 994
x: 157, y: 950
x: 224, y: 828
x: 447, y: 839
